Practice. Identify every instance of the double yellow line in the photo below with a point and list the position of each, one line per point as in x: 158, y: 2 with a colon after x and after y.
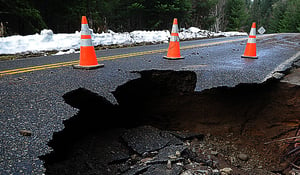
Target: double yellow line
x: 34, y: 68
x: 69, y: 63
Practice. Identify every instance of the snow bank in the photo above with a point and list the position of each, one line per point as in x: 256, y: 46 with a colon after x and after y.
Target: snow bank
x: 45, y: 41
x: 150, y: 36
x: 48, y: 41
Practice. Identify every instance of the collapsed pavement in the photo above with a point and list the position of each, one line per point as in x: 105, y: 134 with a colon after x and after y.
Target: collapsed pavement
x: 152, y: 132
x: 33, y: 101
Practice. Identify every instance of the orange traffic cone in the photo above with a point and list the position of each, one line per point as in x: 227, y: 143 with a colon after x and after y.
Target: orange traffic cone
x: 88, y: 59
x: 174, y: 47
x: 250, y: 50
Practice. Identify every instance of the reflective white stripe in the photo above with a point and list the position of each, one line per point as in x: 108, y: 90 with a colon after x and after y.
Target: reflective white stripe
x: 251, y: 40
x: 86, y: 42
x: 85, y: 29
x: 83, y: 32
x: 253, y: 31
x: 84, y: 26
x: 174, y: 38
x: 174, y: 28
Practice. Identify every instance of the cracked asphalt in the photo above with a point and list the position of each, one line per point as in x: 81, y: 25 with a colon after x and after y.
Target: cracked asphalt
x: 33, y: 100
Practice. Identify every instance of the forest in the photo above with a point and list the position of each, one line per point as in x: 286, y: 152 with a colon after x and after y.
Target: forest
x: 25, y: 17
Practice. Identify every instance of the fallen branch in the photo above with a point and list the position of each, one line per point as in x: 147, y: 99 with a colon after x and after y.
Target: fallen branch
x: 295, y: 166
x: 297, y: 137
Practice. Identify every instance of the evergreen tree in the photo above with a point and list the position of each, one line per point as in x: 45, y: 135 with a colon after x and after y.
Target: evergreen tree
x: 19, y: 16
x: 291, y: 18
x: 202, y: 13
x: 236, y: 15
x: 277, y: 15
x: 165, y: 11
x: 30, y: 16
x: 262, y: 12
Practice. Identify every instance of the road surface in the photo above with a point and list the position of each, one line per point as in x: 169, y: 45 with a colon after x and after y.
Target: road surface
x: 31, y: 89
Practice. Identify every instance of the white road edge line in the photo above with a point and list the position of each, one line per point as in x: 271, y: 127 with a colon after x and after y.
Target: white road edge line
x: 282, y: 66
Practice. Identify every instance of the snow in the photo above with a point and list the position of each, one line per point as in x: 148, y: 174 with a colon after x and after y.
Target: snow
x: 68, y: 43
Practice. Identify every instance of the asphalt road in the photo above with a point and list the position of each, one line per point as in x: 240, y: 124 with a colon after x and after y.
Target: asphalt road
x: 31, y: 89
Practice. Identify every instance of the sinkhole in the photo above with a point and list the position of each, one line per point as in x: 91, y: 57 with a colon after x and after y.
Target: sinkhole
x: 244, y: 119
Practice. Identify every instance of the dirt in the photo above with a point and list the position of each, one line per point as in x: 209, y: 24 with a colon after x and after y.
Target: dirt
x: 254, y: 120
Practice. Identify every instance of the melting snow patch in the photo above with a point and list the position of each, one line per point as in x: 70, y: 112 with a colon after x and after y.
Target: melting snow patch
x: 48, y: 41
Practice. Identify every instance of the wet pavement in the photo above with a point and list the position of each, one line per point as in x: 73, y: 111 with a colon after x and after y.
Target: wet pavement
x: 33, y: 101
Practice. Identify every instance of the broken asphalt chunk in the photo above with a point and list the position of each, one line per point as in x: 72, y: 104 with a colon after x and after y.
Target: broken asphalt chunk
x: 162, y: 169
x: 173, y: 140
x: 24, y: 132
x: 171, y: 153
x: 146, y: 139
x: 136, y: 170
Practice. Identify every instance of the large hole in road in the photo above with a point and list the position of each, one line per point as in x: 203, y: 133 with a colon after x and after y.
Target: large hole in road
x: 234, y: 121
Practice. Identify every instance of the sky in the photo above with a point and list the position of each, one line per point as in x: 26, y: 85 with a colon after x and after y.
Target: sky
x: 66, y: 43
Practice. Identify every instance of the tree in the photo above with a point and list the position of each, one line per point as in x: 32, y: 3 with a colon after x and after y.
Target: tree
x: 30, y: 16
x: 21, y: 17
x: 262, y: 12
x: 220, y: 16
x: 291, y: 17
x: 162, y: 13
x: 202, y: 13
x: 236, y: 15
x: 278, y: 10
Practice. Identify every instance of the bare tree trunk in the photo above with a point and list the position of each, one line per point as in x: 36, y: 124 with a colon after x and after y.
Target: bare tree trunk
x: 217, y: 23
x: 220, y: 16
x: 1, y: 29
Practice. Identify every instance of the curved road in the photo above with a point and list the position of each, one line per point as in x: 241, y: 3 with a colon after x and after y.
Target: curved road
x: 31, y: 89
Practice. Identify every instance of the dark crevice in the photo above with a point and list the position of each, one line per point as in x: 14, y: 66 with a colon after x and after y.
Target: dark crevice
x: 135, y: 97
x: 165, y: 100
x: 97, y: 114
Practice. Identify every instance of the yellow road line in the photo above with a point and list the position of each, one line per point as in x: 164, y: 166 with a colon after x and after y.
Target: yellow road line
x: 56, y: 65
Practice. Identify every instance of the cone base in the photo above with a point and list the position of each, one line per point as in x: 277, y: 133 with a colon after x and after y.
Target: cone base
x: 173, y: 58
x: 88, y: 67
x: 253, y: 57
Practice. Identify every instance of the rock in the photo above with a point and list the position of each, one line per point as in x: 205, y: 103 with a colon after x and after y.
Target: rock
x: 234, y: 148
x: 25, y: 132
x: 215, y: 172
x: 161, y: 169
x: 179, y: 164
x: 134, y: 156
x: 189, y: 166
x: 243, y: 157
x: 277, y: 75
x: 232, y: 160
x: 226, y: 171
x: 173, y: 140
x: 214, y: 153
x: 189, y: 154
x: 146, y: 160
x: 136, y: 170
x: 192, y: 156
x: 169, y: 164
x: 187, y: 172
x: 172, y: 156
x: 168, y: 153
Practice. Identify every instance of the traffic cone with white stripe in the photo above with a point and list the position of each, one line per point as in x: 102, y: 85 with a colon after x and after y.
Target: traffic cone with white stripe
x: 88, y: 59
x: 250, y: 50
x: 174, y: 47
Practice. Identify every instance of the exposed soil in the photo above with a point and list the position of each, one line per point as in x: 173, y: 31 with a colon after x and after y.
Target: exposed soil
x: 244, y: 119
